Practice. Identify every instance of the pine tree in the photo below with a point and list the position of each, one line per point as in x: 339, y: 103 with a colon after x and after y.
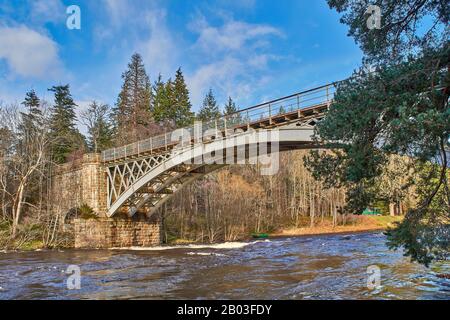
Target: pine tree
x: 230, y: 111
x: 164, y: 105
x: 32, y: 148
x: 158, y: 91
x: 230, y: 107
x: 209, y: 109
x: 183, y: 116
x: 171, y: 105
x: 96, y: 119
x: 168, y: 103
x: 395, y: 108
x: 65, y: 136
x: 133, y: 109
x: 33, y: 119
x: 33, y: 104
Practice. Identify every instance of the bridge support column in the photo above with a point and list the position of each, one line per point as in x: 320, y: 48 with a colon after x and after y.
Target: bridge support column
x: 103, y: 232
x: 84, y: 182
x: 118, y: 232
x: 93, y: 182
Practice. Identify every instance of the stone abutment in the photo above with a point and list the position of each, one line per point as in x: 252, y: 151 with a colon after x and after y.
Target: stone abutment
x: 83, y: 183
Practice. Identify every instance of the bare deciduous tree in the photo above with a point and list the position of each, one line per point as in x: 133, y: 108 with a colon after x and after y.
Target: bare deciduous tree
x: 23, y: 155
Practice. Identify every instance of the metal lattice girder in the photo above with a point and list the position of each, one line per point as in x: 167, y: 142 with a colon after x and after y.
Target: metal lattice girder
x: 122, y: 176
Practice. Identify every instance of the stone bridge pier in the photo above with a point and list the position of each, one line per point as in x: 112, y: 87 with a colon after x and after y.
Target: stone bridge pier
x: 84, y: 182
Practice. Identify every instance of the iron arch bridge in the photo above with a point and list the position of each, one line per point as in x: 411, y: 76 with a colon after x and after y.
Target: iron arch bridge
x: 144, y: 175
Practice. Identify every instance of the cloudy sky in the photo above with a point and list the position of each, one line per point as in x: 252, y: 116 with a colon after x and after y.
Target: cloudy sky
x: 247, y: 49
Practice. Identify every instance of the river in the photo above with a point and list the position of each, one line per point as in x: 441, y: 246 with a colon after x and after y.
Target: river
x: 315, y: 267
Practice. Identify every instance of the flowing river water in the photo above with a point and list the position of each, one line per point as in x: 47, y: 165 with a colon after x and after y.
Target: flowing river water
x: 315, y: 267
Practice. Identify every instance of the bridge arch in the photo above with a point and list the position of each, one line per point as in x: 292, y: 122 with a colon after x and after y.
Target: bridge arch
x: 152, y: 180
x: 145, y: 174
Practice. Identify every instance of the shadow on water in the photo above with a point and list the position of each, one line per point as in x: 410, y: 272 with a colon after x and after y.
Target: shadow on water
x: 318, y: 267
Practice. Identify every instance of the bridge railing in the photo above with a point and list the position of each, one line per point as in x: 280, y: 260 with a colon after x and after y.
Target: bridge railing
x: 258, y: 113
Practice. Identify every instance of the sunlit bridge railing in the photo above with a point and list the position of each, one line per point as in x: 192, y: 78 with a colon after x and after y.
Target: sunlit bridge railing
x: 246, y: 117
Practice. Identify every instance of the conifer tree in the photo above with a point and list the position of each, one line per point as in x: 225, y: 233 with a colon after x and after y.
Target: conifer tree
x: 229, y: 111
x: 33, y: 104
x: 168, y: 103
x: 32, y: 119
x: 159, y: 91
x: 32, y: 147
x: 230, y: 107
x: 183, y: 114
x: 210, y: 109
x: 164, y: 105
x: 64, y: 134
x: 133, y: 108
x: 172, y: 106
x: 397, y: 106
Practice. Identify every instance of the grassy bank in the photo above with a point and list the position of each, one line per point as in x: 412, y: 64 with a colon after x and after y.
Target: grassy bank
x: 325, y: 226
x: 32, y: 236
x: 357, y: 224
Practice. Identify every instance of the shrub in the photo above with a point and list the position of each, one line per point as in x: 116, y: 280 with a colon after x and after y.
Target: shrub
x: 86, y: 212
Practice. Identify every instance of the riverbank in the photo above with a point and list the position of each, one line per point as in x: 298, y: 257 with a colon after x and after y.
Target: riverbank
x: 353, y: 225
x: 30, y: 237
x: 360, y: 224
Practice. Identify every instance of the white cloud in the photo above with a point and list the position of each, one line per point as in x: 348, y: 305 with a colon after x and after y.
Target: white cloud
x: 126, y: 13
x: 261, y: 61
x: 146, y: 31
x: 118, y: 10
x: 159, y: 51
x: 217, y: 74
x: 241, y: 4
x: 29, y: 53
x: 235, y: 58
x: 230, y: 76
x: 47, y: 11
x: 120, y: 14
x: 232, y: 35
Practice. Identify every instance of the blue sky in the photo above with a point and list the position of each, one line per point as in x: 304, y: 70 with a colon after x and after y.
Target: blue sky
x: 249, y: 50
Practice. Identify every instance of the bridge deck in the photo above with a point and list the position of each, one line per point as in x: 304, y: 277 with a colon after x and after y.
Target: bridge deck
x: 300, y: 106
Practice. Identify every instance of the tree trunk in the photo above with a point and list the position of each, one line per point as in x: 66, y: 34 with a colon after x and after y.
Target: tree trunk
x: 18, y: 208
x: 392, y: 209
